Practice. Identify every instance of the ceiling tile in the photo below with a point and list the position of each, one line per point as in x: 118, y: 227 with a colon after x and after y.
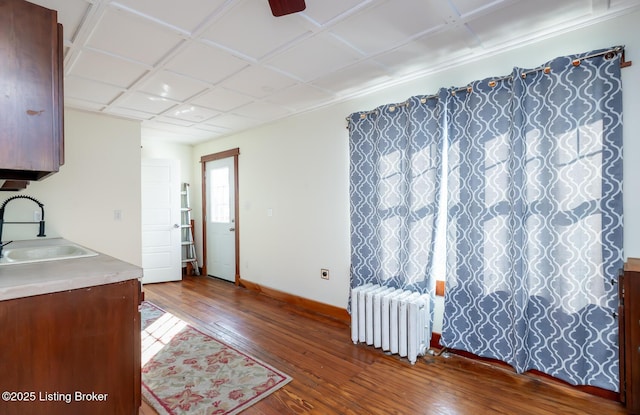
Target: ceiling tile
x: 193, y: 113
x: 167, y: 124
x: 132, y: 37
x: 261, y: 111
x: 251, y: 29
x: 428, y: 50
x: 317, y: 56
x: 91, y: 91
x: 207, y: 63
x: 348, y: 80
x: 147, y: 103
x: 170, y: 85
x: 217, y: 131
x: 172, y: 121
x: 466, y: 7
x: 83, y: 105
x: 185, y: 15
x: 393, y: 23
x: 221, y: 99
x: 108, y: 69
x: 231, y: 122
x: 300, y: 97
x: 162, y: 131
x: 129, y: 113
x: 511, y: 23
x: 257, y: 81
x: 241, y: 67
x: 211, y: 131
x: 323, y: 11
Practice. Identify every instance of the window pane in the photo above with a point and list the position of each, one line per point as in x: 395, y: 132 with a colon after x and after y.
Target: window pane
x: 220, y: 202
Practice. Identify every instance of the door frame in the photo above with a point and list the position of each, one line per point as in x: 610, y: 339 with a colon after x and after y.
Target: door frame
x: 203, y: 161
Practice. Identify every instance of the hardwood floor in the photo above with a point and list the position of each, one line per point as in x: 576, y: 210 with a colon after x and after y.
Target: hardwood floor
x: 331, y: 375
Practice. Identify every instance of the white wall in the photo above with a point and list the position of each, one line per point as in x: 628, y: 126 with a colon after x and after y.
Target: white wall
x: 300, y: 173
x: 101, y: 174
x: 299, y: 168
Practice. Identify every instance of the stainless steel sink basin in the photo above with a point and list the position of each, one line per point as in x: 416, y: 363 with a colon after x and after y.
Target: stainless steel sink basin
x: 12, y: 256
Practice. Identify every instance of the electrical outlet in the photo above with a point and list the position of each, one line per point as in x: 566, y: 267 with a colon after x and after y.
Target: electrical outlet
x: 324, y: 274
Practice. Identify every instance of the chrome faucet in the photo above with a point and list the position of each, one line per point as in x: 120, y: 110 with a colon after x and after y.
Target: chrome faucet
x: 2, y: 221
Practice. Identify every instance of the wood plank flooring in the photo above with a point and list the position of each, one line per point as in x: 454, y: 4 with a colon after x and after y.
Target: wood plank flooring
x: 331, y: 375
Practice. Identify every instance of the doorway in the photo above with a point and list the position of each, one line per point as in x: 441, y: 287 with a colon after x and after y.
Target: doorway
x: 221, y: 247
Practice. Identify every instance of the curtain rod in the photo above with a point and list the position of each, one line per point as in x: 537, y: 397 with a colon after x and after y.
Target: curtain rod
x: 609, y: 54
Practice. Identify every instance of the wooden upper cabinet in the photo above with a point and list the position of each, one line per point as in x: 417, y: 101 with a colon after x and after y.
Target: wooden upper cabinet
x: 31, y: 91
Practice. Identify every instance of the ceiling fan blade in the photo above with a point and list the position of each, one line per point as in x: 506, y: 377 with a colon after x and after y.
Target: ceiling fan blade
x: 284, y: 7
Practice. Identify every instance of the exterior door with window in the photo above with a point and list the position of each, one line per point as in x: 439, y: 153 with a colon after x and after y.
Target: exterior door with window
x: 221, y: 220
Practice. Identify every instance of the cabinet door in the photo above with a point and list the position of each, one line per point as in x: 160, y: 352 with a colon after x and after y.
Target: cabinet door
x: 631, y: 338
x: 73, y: 352
x: 30, y: 91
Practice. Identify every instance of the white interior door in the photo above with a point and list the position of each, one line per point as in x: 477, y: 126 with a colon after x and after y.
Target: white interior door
x: 221, y: 230
x: 161, y: 253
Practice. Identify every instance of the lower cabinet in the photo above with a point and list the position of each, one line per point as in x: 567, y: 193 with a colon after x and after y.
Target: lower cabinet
x: 630, y: 335
x: 72, y: 352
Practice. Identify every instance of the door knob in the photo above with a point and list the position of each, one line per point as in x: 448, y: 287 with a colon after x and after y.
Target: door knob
x: 175, y: 225
x: 232, y: 229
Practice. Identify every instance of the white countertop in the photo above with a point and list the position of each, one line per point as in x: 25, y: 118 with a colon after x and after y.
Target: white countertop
x: 25, y: 280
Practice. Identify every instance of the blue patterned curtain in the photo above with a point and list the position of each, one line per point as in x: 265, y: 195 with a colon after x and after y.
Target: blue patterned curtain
x: 535, y: 219
x: 523, y: 175
x: 395, y: 175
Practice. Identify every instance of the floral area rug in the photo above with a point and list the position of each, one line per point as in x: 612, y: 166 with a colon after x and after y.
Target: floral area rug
x: 185, y: 371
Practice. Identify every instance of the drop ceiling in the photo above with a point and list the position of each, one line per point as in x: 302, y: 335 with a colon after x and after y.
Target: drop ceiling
x: 195, y: 70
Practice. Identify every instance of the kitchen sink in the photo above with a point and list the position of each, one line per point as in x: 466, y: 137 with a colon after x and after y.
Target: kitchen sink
x: 14, y: 256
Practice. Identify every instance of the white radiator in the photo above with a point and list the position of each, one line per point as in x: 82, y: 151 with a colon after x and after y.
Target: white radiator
x: 394, y: 320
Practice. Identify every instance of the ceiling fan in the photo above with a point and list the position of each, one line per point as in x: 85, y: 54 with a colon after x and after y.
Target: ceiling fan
x: 284, y: 7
